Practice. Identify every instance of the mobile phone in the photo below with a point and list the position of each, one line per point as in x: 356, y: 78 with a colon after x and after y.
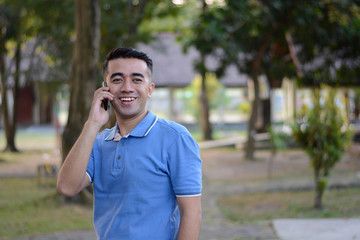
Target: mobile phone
x: 105, y: 102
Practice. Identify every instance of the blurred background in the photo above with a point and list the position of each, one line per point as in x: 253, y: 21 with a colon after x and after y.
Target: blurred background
x: 252, y: 80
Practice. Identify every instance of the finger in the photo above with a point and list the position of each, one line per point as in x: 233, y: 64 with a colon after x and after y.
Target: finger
x: 101, y: 93
x: 107, y: 95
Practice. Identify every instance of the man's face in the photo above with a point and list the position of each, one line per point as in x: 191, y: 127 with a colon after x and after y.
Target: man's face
x: 129, y: 81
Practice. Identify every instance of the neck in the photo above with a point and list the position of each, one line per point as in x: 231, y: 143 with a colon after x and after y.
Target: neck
x: 127, y: 124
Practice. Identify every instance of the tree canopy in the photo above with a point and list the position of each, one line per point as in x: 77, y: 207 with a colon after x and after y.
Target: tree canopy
x: 325, y: 36
x: 315, y: 41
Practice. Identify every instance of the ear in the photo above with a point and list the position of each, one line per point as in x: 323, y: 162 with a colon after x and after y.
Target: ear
x: 151, y: 89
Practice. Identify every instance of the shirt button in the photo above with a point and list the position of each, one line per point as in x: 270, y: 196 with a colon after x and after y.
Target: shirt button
x: 121, y: 144
x: 118, y: 157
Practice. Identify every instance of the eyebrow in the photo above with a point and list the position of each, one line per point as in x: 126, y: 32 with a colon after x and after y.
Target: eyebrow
x: 122, y: 74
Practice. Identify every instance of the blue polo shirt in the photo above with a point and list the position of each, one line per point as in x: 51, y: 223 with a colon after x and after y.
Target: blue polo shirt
x: 138, y: 177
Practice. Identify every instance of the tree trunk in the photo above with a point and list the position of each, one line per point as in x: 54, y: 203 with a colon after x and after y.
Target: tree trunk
x: 4, y: 107
x: 357, y: 107
x: 2, y: 72
x: 319, y: 191
x: 255, y: 68
x: 271, y: 162
x: 293, y: 54
x: 84, y: 73
x: 15, y: 92
x: 266, y: 115
x: 205, y: 111
x: 204, y: 102
x: 10, y: 116
x: 250, y: 146
x: 135, y: 14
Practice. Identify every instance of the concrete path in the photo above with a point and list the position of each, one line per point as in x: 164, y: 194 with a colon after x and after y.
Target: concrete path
x: 317, y: 229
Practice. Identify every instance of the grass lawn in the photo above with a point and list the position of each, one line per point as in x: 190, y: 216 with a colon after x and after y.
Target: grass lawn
x: 255, y: 207
x: 27, y: 209
x: 32, y: 138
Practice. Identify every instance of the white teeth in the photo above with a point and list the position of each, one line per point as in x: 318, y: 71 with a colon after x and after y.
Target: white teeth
x: 127, y: 99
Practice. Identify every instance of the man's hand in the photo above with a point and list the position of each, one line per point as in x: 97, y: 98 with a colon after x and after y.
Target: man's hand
x: 72, y: 176
x: 98, y: 115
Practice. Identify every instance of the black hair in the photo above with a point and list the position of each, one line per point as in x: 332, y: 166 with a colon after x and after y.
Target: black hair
x: 127, y: 52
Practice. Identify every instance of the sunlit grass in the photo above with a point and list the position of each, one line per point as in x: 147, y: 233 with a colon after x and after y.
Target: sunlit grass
x: 27, y: 155
x: 256, y: 207
x: 8, y: 157
x: 32, y: 138
x: 27, y: 209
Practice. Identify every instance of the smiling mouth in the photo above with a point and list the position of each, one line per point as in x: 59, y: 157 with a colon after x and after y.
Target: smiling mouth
x: 127, y: 99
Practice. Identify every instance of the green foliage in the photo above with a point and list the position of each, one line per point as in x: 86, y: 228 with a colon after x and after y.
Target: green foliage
x: 326, y: 33
x: 256, y: 36
x: 330, y: 36
x: 324, y: 134
x: 279, y: 137
x: 321, y: 186
x: 244, y: 107
x: 175, y: 20
x: 214, y: 91
x: 126, y: 23
x: 27, y: 23
x: 52, y: 30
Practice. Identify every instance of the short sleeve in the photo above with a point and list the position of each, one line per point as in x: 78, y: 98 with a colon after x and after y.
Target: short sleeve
x: 90, y: 167
x: 185, y: 166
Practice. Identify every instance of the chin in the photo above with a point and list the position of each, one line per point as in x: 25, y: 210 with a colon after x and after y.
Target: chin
x: 127, y: 115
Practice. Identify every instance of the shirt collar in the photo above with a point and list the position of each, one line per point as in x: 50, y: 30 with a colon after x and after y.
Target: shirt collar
x: 141, y: 130
x: 112, y: 133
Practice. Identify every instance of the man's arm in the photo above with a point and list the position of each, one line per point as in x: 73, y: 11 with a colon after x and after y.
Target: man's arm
x: 190, y: 217
x: 72, y: 176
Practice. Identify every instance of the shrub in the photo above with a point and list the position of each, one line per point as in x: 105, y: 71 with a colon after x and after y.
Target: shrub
x: 323, y: 131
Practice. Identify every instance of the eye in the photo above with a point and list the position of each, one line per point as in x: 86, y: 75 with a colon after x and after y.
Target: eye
x: 116, y: 80
x: 137, y: 80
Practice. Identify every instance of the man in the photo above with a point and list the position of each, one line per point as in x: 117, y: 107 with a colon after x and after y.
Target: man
x: 146, y: 171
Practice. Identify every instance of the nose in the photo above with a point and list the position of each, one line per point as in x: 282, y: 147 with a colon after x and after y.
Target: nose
x: 126, y: 86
